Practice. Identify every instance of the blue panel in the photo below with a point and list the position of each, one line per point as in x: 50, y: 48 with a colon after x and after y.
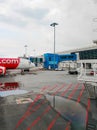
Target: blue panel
x: 51, y: 60
x: 68, y: 57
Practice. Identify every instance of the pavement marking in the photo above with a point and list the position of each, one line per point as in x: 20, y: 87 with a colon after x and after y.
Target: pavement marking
x: 35, y: 100
x: 44, y: 88
x: 68, y: 126
x: 80, y: 95
x: 69, y: 97
x: 28, y: 113
x: 69, y: 86
x: 23, y: 100
x: 53, y: 87
x: 58, y: 89
x: 53, y: 121
x: 39, y: 118
x: 73, y: 91
x: 87, y: 111
x: 58, y: 114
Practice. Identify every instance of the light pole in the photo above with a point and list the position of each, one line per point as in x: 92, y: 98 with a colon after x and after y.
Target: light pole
x: 53, y: 25
x: 95, y: 30
x: 25, y: 50
x: 34, y: 52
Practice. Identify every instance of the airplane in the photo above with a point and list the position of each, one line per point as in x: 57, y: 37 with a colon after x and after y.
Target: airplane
x: 15, y: 63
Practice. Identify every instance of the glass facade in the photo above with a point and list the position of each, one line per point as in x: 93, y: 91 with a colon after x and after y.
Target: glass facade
x: 88, y: 54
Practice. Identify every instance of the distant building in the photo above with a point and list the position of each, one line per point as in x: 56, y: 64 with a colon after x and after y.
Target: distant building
x: 84, y: 53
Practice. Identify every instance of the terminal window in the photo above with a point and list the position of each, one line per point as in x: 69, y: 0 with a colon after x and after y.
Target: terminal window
x: 88, y: 54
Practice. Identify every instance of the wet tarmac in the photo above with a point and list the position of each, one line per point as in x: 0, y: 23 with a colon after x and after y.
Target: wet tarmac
x: 45, y: 100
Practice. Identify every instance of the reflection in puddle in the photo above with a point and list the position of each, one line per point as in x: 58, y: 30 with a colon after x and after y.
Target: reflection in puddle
x: 10, y: 88
x: 70, y: 110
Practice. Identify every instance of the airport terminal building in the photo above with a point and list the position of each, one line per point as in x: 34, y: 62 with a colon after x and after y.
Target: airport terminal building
x: 84, y: 53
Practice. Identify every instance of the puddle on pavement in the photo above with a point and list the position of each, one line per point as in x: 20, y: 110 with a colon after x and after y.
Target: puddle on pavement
x: 70, y: 110
x: 10, y: 88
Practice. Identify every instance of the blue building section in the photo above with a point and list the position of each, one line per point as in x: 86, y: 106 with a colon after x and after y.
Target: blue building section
x: 67, y: 57
x: 51, y: 60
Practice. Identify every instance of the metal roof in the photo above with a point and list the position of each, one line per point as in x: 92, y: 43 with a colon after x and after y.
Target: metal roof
x: 79, y: 49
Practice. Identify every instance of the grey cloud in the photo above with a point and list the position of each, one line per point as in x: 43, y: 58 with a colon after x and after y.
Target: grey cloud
x: 95, y: 1
x: 37, y: 14
x: 13, y: 21
x: 2, y: 1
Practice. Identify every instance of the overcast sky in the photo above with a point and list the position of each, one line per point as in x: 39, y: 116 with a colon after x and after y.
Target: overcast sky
x: 27, y: 22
